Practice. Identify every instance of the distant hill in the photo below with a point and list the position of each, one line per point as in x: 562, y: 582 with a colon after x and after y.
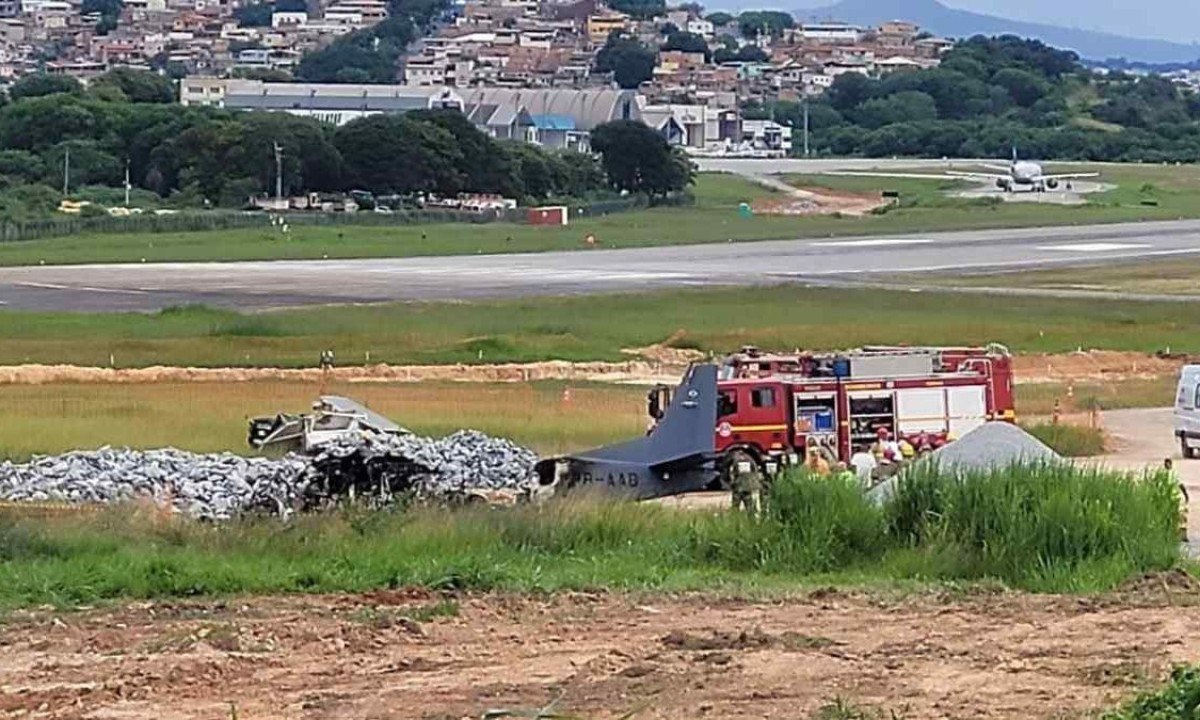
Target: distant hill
x: 937, y: 18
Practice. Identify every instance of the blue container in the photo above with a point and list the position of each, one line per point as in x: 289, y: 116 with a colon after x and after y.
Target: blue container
x: 841, y: 367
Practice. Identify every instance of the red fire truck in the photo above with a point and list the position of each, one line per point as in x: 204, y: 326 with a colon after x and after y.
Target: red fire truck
x: 779, y: 405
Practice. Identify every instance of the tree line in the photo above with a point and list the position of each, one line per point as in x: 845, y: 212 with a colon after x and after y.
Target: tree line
x: 991, y: 94
x: 127, y: 121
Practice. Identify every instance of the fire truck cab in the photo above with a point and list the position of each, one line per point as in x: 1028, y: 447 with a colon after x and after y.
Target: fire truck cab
x: 777, y: 406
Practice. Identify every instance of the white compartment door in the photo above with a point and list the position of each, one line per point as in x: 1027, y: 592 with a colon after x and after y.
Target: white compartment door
x: 921, y: 410
x: 968, y: 409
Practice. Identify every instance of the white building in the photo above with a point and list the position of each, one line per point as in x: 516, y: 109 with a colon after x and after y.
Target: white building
x: 767, y: 137
x: 700, y: 27
x: 834, y: 33
x: 285, y: 20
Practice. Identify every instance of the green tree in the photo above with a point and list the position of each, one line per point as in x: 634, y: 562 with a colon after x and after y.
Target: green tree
x: 638, y: 159
x: 764, y: 22
x: 41, y: 84
x: 485, y: 166
x: 719, y: 18
x: 42, y: 121
x: 630, y: 62
x: 396, y: 154
x: 91, y: 164
x: 640, y: 9
x: 139, y: 86
x: 687, y: 42
x: 24, y: 166
x: 848, y: 91
x: 746, y: 53
x: 907, y: 106
x: 1024, y: 87
x: 256, y: 14
x: 108, y: 10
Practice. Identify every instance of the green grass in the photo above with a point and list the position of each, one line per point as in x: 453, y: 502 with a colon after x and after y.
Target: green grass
x: 1040, y: 528
x: 1037, y: 399
x: 592, y: 328
x: 1176, y: 276
x: 714, y: 218
x: 1069, y: 440
x: 1177, y: 699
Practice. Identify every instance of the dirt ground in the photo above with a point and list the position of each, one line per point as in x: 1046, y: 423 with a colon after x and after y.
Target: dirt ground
x: 808, y: 201
x: 1091, y: 365
x: 599, y: 656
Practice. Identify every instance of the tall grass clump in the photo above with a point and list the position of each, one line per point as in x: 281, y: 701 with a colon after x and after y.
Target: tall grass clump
x: 1069, y: 440
x: 1050, y: 526
x: 821, y: 524
x: 1038, y: 527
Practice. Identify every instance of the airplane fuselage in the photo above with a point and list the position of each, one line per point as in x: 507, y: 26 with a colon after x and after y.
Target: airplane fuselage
x: 1024, y: 174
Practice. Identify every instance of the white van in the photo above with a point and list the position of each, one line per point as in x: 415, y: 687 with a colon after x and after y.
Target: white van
x: 1187, y: 411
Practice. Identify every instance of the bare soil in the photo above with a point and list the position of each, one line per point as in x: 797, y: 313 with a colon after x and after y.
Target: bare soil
x: 600, y: 655
x: 810, y: 201
x: 1091, y: 365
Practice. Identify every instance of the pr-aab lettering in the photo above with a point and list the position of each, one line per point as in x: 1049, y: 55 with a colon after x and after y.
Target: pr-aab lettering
x: 629, y: 480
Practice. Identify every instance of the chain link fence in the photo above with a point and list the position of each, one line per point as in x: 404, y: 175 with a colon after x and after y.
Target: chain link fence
x: 191, y: 221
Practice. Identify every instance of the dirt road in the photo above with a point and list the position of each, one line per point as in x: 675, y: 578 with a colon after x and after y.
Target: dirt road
x: 598, y: 656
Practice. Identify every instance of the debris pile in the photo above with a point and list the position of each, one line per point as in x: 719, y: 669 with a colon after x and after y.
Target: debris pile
x: 378, y: 466
x: 990, y: 446
x: 216, y: 486
x: 372, y: 467
x: 993, y: 445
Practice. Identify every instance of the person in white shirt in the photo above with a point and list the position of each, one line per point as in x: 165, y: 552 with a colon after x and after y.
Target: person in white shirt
x: 864, y: 465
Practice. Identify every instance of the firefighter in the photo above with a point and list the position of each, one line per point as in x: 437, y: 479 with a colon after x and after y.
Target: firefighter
x: 745, y: 483
x: 842, y: 472
x: 885, y: 449
x: 816, y: 464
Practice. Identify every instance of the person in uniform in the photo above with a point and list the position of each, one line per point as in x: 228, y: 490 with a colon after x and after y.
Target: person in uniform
x: 745, y: 484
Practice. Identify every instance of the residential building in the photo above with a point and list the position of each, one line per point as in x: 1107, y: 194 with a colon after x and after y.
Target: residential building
x: 601, y: 25
x: 829, y: 32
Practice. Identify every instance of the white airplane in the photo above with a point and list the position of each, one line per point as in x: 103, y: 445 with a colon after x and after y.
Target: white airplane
x: 1017, y: 174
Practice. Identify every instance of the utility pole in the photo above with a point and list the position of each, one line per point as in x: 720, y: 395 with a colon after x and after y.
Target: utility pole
x: 278, y: 175
x: 66, y: 171
x: 804, y: 103
x: 127, y: 185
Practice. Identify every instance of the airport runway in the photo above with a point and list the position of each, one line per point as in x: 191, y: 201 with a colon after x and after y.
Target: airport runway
x: 285, y: 283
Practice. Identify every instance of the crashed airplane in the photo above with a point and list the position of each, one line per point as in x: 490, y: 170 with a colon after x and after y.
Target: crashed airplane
x: 333, y: 417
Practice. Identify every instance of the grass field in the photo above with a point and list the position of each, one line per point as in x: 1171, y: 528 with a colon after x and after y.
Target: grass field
x: 209, y: 417
x: 714, y: 218
x: 1039, y: 528
x: 212, y: 417
x: 592, y: 328
x: 1176, y: 276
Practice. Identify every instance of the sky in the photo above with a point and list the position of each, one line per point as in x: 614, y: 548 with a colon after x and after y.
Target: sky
x: 1177, y: 20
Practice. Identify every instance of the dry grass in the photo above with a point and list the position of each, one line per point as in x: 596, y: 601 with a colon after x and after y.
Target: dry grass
x: 209, y: 417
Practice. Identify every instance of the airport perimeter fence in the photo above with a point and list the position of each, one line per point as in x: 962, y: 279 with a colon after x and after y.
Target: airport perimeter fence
x: 185, y: 221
